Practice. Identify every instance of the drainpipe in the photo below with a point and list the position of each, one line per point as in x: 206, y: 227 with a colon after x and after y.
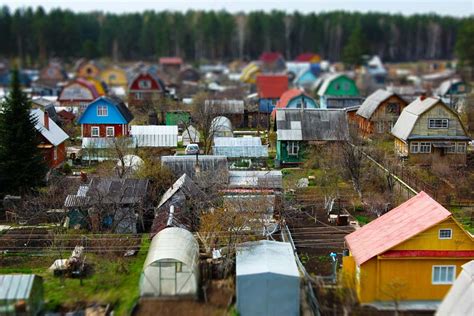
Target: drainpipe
x: 333, y: 256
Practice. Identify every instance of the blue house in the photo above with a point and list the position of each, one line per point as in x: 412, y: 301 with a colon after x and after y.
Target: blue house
x: 270, y: 87
x: 308, y: 77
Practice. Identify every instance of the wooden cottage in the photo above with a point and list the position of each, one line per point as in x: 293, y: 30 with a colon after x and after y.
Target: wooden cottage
x: 429, y: 131
x: 87, y: 69
x: 114, y: 77
x: 144, y: 89
x: 77, y: 94
x: 410, y: 255
x: 379, y: 112
x: 295, y: 99
x: 52, y: 138
x: 296, y: 128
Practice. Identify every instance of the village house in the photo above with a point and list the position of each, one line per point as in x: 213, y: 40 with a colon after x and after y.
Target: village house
x: 379, y: 112
x: 170, y: 65
x: 269, y: 90
x: 145, y: 88
x: 334, y: 85
x: 296, y: 128
x: 295, y: 99
x: 77, y: 94
x: 272, y: 62
x: 452, y: 91
x: 429, y: 131
x: 411, y: 255
x: 49, y: 79
x: 87, y: 68
x: 188, y: 74
x: 114, y: 77
x: 308, y: 76
x: 52, y: 138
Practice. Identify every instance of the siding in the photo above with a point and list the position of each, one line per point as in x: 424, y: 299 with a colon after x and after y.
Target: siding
x: 119, y: 131
x: 438, y: 111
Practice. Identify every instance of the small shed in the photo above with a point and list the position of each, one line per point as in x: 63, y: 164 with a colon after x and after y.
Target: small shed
x: 155, y: 135
x: 171, y: 267
x: 221, y: 126
x: 268, y: 280
x: 237, y: 147
x: 190, y: 135
x: 21, y: 294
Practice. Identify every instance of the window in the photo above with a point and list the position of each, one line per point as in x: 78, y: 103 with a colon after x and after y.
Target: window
x: 95, y: 131
x: 438, y: 123
x: 380, y: 125
x: 414, y: 148
x: 102, y: 110
x: 55, y: 154
x: 460, y: 148
x: 337, y: 86
x: 138, y: 96
x: 451, y: 148
x: 144, y: 84
x: 346, y: 86
x: 110, y: 132
x: 445, y: 233
x: 443, y: 274
x: 425, y: 147
x: 293, y: 148
x: 393, y: 108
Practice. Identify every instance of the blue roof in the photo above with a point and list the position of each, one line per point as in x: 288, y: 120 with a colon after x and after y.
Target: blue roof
x: 117, y: 112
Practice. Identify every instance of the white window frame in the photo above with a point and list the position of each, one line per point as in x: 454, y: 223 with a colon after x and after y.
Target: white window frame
x: 414, y: 147
x: 95, y: 128
x: 451, y: 149
x: 102, y: 110
x: 110, y: 128
x: 445, y: 230
x: 142, y: 85
x: 293, y: 148
x: 433, y: 269
x: 433, y: 123
x: 138, y: 96
x: 380, y: 126
x: 461, y: 148
x: 425, y: 148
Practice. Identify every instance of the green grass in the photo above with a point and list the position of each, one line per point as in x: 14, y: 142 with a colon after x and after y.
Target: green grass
x: 114, y: 280
x: 362, y: 219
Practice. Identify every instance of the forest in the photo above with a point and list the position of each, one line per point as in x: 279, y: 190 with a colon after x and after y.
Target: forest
x: 34, y: 35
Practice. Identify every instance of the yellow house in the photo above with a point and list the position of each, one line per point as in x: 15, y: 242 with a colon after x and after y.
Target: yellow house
x: 87, y: 69
x: 411, y: 255
x: 114, y: 77
x: 250, y: 72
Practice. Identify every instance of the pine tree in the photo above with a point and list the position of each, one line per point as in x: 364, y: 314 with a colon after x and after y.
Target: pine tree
x: 22, y: 165
x: 355, y: 48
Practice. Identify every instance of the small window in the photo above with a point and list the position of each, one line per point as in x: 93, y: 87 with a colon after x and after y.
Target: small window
x: 95, y: 131
x: 293, y: 148
x: 337, y: 86
x: 102, y: 110
x: 451, y: 149
x: 138, y: 96
x: 346, y: 86
x: 438, y: 123
x: 393, y: 108
x: 55, y: 154
x: 144, y: 84
x: 443, y: 274
x: 460, y: 148
x: 380, y: 125
x: 425, y: 148
x: 110, y: 132
x: 445, y: 234
x: 414, y: 148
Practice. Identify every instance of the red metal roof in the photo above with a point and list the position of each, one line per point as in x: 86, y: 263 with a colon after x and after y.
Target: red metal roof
x: 271, y: 86
x: 171, y: 61
x: 305, y: 57
x: 429, y: 253
x: 270, y: 57
x: 400, y: 224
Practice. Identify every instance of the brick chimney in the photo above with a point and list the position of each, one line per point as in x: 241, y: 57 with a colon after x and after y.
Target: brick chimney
x: 423, y: 96
x: 46, y: 120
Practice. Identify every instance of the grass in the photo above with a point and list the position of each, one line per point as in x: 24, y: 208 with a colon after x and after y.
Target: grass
x: 362, y: 219
x: 115, y: 280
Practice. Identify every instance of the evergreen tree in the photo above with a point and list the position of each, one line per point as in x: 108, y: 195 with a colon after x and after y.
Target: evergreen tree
x: 22, y: 165
x: 355, y: 48
x: 465, y: 44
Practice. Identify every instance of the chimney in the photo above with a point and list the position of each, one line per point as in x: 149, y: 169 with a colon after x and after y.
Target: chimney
x: 46, y: 120
x: 423, y: 96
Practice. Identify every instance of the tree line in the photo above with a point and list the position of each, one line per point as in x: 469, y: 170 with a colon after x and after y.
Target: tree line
x: 34, y: 35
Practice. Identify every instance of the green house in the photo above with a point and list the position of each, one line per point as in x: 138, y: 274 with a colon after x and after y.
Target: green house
x: 335, y: 85
x: 177, y: 118
x: 298, y: 128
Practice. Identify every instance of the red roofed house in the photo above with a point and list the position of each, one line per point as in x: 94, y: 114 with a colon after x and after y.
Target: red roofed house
x: 295, y: 99
x: 269, y: 90
x: 52, y: 138
x: 272, y: 62
x: 308, y: 58
x: 144, y: 89
x: 78, y: 94
x: 171, y: 65
x: 411, y: 254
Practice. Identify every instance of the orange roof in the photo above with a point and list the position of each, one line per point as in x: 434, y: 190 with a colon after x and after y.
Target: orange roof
x: 287, y: 97
x: 400, y: 224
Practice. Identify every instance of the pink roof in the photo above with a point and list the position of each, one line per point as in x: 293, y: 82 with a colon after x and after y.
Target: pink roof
x: 400, y: 224
x: 171, y: 61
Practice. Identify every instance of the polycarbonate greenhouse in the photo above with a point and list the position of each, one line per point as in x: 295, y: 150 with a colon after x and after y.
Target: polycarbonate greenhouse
x: 240, y: 147
x: 268, y: 280
x: 21, y: 294
x: 172, y: 265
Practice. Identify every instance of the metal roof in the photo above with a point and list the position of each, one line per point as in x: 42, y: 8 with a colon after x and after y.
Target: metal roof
x: 372, y: 102
x: 446, y: 85
x: 256, y: 179
x: 54, y: 134
x: 239, y: 147
x: 185, y: 183
x: 187, y: 164
x: 398, y: 225
x: 173, y: 243
x: 327, y: 81
x: 16, y: 286
x: 224, y: 106
x: 266, y: 256
x: 155, y: 135
x: 312, y: 124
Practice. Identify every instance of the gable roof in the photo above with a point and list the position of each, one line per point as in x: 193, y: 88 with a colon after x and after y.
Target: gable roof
x: 271, y: 86
x: 185, y: 183
x: 372, y: 102
x: 444, y: 87
x: 398, y: 225
x: 133, y: 76
x: 409, y: 116
x: 290, y: 95
x: 54, y: 134
x: 114, y: 101
x: 270, y: 57
x: 312, y: 124
x: 328, y: 80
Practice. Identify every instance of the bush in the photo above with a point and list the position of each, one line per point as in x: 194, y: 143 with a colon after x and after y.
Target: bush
x: 67, y: 169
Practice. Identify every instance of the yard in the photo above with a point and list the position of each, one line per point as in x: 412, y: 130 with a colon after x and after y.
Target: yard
x: 113, y: 279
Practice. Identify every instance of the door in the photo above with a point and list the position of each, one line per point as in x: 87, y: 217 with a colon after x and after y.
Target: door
x: 167, y: 278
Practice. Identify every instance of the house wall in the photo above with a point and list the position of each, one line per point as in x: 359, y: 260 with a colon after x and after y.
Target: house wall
x: 437, y: 155
x: 342, y: 86
x: 48, y: 154
x: 176, y: 118
x: 88, y: 70
x: 119, y: 129
x: 282, y: 153
x: 75, y: 92
x: 297, y: 102
x: 114, y: 77
x: 439, y: 111
x: 382, y: 119
x: 267, y: 105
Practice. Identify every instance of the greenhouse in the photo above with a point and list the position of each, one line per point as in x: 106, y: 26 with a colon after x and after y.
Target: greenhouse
x: 268, y: 280
x: 240, y: 147
x: 172, y: 265
x: 21, y: 294
x: 221, y: 126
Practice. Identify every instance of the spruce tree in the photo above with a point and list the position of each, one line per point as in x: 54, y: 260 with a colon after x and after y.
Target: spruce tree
x: 355, y: 48
x: 22, y: 165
